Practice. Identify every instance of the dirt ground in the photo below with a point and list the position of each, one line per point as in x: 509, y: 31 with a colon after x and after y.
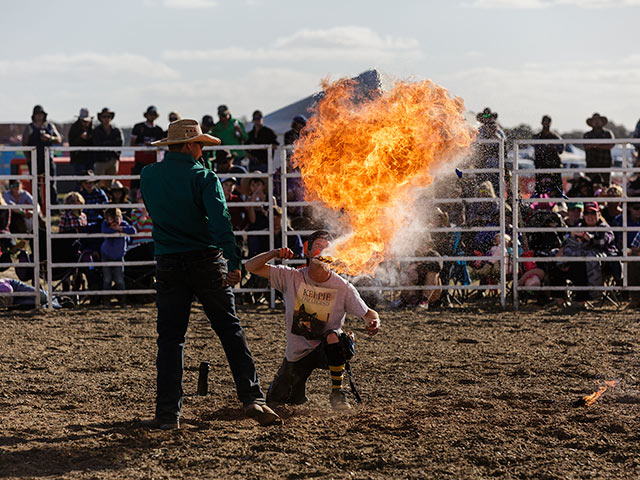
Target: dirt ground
x: 460, y: 393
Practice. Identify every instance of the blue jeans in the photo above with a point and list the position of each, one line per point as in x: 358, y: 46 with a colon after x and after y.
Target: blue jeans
x: 180, y: 277
x: 113, y: 274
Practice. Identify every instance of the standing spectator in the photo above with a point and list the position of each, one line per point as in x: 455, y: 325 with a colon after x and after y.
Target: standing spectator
x: 41, y: 134
x: 636, y: 134
x: 548, y: 156
x: 193, y: 236
x: 488, y: 154
x: 113, y: 249
x: 107, y: 135
x: 80, y: 135
x: 142, y: 135
x: 17, y: 196
x: 173, y: 117
x: 297, y: 124
x: 230, y: 131
x: 260, y: 135
x: 598, y: 156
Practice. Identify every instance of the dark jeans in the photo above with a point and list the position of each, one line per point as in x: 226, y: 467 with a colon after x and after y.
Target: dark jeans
x: 180, y: 277
x: 289, y: 384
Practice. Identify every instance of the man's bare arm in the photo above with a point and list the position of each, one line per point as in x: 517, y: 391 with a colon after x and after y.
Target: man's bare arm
x: 258, y: 264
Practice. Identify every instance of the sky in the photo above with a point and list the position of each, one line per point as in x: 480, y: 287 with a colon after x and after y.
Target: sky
x: 522, y: 58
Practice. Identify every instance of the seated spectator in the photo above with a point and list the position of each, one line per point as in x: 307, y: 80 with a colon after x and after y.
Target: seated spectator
x: 633, y: 220
x: 6, y: 244
x: 224, y: 164
x: 425, y: 273
x: 21, y: 220
x: 257, y: 217
x: 142, y: 223
x: 489, y: 270
x: 238, y: 219
x: 74, y: 219
x: 114, y: 249
x: 260, y: 134
x: 581, y: 186
x: 118, y: 194
x: 611, y: 209
x: 11, y: 285
x: 588, y: 244
x: 294, y: 242
x: 574, y: 214
x: 93, y: 194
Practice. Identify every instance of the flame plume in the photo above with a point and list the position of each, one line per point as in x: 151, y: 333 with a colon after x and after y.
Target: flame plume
x: 362, y: 155
x: 590, y: 399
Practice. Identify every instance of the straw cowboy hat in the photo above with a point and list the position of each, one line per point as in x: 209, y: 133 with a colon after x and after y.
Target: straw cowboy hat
x: 604, y: 120
x: 187, y: 131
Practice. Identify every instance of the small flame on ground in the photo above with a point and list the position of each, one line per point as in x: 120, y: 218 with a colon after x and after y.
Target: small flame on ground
x: 363, y: 155
x: 590, y: 399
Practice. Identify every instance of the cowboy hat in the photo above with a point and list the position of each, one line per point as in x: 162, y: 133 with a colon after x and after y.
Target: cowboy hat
x: 106, y: 111
x: 117, y: 185
x: 604, y: 120
x: 486, y: 115
x: 246, y: 181
x: 186, y: 130
x: 151, y: 110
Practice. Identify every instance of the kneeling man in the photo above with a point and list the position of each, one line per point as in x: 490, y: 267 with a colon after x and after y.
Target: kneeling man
x: 316, y: 301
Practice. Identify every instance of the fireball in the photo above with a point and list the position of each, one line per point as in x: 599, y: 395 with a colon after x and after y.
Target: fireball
x: 364, y: 155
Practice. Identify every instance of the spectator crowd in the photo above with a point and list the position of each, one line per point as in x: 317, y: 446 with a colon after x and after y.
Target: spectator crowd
x: 590, y: 202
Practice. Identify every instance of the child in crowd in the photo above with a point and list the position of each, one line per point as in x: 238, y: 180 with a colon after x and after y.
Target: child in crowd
x: 114, y: 248
x: 74, y: 219
x: 141, y: 222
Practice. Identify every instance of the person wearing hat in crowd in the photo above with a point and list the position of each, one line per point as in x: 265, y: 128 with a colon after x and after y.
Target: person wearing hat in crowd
x: 230, y: 132
x: 224, y: 164
x: 107, y: 135
x: 612, y: 208
x: 260, y: 134
x: 144, y: 134
x: 41, y: 133
x: 488, y: 154
x: 297, y: 124
x: 118, y: 194
x: 548, y: 156
x: 80, y: 135
x: 598, y: 155
x: 16, y: 195
x: 93, y: 195
x: 197, y: 256
x: 574, y: 214
x: 581, y: 186
x: 206, y: 124
x: 238, y: 217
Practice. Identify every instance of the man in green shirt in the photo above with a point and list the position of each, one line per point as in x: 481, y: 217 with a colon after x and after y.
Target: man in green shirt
x: 230, y: 131
x: 194, y: 242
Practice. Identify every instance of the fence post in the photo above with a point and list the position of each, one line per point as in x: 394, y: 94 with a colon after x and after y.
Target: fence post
x: 36, y: 226
x: 503, y: 255
x: 272, y: 292
x: 47, y: 194
x: 515, y: 214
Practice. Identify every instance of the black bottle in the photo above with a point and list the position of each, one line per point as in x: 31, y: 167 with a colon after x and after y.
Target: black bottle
x: 203, y: 379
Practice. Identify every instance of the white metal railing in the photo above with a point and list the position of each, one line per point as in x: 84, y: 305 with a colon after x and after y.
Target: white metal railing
x: 517, y: 229
x: 34, y: 236
x: 284, y: 175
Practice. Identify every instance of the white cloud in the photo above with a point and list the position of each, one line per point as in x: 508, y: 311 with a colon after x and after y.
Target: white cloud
x: 568, y: 92
x: 87, y: 63
x: 348, y: 43
x: 551, y: 3
x: 193, y: 4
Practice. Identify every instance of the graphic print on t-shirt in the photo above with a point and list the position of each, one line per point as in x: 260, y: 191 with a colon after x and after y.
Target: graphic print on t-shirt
x: 312, y: 310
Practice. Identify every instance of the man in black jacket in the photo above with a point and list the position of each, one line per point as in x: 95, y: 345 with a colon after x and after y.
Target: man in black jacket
x: 107, y: 135
x: 80, y: 136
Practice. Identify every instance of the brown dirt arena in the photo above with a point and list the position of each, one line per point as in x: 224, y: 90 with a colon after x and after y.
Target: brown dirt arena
x: 457, y: 394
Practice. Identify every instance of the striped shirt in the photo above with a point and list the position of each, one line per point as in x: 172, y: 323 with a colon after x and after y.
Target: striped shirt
x: 142, y: 224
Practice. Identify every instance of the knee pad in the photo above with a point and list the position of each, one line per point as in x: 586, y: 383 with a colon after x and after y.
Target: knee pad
x: 335, y: 354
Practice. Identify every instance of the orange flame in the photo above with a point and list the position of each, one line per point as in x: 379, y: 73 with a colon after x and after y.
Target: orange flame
x: 590, y: 399
x: 362, y: 155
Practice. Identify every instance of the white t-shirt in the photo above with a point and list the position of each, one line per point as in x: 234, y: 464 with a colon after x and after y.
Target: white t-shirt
x: 313, y: 309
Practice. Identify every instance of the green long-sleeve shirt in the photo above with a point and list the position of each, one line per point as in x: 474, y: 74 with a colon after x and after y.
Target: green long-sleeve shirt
x: 187, y: 206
